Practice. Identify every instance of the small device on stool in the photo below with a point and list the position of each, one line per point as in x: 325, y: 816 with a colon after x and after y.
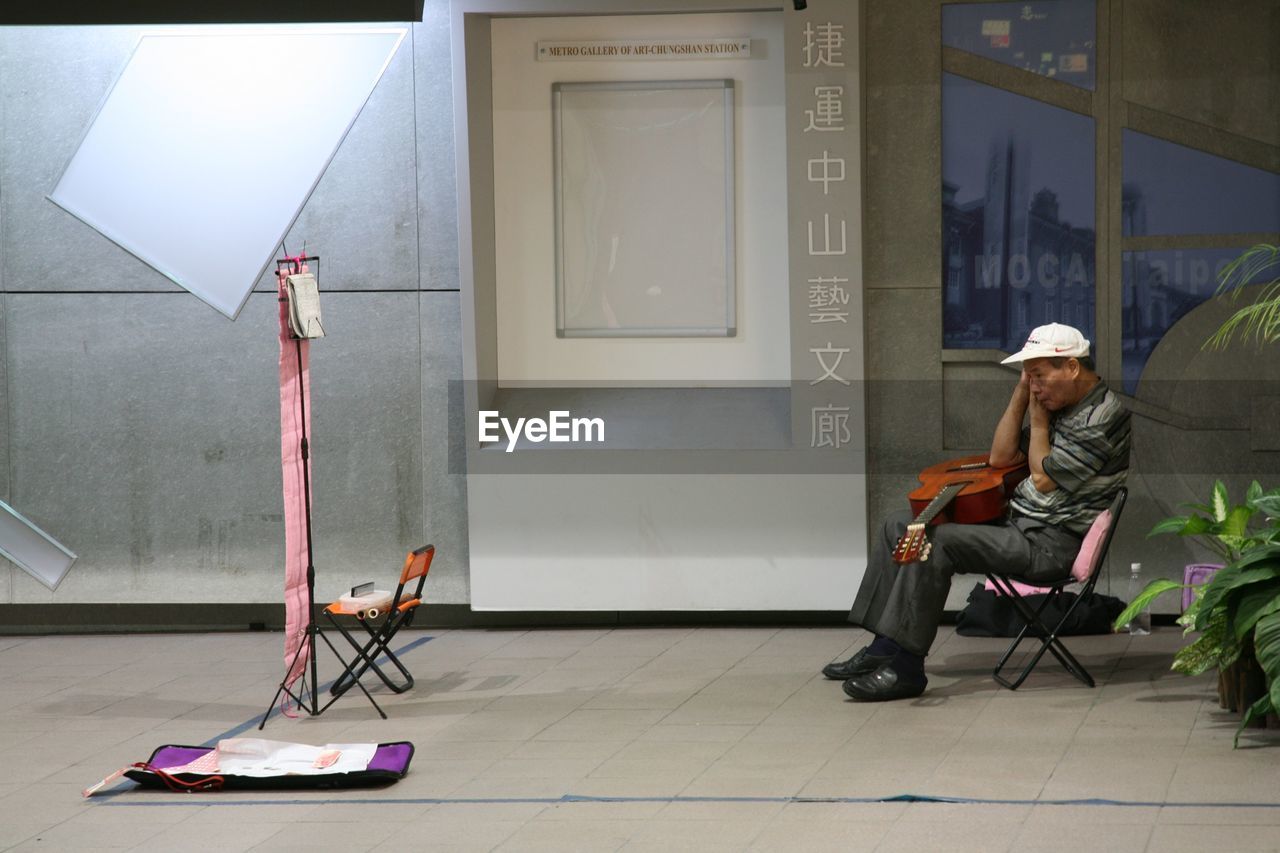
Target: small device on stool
x: 365, y: 602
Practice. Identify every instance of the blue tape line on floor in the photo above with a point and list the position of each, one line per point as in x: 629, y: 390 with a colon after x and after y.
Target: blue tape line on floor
x: 574, y: 798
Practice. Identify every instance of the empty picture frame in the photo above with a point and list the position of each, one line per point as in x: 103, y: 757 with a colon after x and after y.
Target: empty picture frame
x: 31, y: 549
x: 203, y: 153
x: 644, y: 208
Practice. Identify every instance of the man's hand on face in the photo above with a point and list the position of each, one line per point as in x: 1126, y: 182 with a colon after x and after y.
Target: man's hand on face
x: 1023, y: 390
x: 1039, y: 414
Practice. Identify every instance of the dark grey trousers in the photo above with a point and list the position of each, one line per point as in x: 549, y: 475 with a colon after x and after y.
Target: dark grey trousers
x: 905, y: 602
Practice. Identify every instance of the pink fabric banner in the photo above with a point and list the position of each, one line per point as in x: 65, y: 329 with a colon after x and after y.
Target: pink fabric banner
x: 295, y: 398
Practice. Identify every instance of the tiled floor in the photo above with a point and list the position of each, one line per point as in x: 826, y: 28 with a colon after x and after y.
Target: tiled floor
x: 644, y: 739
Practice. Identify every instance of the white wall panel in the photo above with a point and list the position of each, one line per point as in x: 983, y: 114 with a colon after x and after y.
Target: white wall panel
x: 529, y: 353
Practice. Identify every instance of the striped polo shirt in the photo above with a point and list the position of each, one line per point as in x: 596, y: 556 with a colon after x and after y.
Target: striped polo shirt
x: 1088, y: 459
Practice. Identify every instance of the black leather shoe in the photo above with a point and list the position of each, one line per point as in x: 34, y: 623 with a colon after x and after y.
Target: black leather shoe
x: 861, y: 663
x: 884, y: 685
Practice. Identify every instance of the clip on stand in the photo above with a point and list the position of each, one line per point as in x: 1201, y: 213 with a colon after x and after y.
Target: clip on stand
x: 307, y: 699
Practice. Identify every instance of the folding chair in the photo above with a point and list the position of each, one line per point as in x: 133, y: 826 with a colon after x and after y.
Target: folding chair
x: 1088, y: 563
x: 380, y: 629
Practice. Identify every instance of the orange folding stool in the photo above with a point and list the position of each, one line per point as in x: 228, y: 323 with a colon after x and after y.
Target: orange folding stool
x: 380, y: 628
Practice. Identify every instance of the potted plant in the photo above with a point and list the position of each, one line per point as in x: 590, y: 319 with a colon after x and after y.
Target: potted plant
x: 1236, y: 611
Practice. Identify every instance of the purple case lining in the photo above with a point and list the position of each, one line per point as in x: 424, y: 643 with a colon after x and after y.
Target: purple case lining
x: 392, y: 757
x: 176, y: 756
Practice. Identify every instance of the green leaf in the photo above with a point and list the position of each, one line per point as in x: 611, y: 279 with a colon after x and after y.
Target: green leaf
x: 1261, y: 537
x: 1266, y: 648
x: 1258, y: 709
x: 1237, y: 522
x: 1230, y: 651
x: 1260, y: 564
x: 1235, y: 546
x: 1219, y: 502
x: 1254, y: 602
x: 1214, y: 648
x: 1246, y: 267
x: 1268, y: 505
x: 1197, y: 525
x: 1143, y: 599
x: 1220, y: 587
x: 1201, y: 655
x: 1188, y: 618
x: 1258, y: 556
x: 1170, y: 525
x: 1255, y: 492
x: 1260, y: 321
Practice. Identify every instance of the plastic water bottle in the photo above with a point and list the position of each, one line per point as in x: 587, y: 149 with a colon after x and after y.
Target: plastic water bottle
x: 1140, y: 625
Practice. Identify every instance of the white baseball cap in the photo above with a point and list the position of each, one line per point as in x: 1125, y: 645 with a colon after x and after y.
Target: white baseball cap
x: 1052, y: 341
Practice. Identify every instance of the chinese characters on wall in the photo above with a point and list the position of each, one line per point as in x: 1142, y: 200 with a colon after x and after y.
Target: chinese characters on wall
x: 823, y: 144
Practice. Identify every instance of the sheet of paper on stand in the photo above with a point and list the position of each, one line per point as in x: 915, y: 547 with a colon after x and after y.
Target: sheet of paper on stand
x: 304, y: 305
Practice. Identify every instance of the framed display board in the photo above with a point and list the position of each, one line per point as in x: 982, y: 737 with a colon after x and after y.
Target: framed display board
x: 644, y: 208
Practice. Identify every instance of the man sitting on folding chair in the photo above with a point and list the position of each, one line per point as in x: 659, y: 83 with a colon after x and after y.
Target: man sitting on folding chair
x: 1077, y: 448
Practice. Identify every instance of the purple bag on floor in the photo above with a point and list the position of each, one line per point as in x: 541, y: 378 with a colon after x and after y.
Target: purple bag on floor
x: 389, y: 764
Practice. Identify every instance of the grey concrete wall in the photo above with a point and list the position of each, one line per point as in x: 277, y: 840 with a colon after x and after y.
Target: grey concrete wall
x: 141, y: 428
x: 1212, y: 63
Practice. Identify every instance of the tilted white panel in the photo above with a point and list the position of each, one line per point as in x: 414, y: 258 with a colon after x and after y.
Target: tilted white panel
x: 208, y: 145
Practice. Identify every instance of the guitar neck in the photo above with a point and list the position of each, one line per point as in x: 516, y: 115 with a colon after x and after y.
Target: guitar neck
x: 939, y: 502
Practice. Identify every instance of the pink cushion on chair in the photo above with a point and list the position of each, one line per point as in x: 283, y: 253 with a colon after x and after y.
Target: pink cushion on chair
x: 1083, y: 566
x: 1080, y: 569
x: 1022, y: 588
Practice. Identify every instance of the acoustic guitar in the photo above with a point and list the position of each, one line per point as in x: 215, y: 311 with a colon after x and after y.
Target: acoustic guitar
x: 968, y: 490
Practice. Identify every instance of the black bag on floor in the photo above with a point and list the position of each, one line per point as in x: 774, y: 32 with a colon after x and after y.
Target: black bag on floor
x: 990, y: 615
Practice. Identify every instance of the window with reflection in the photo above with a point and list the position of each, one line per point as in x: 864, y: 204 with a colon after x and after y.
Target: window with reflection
x: 1172, y: 189
x: 1053, y: 38
x: 1018, y: 216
